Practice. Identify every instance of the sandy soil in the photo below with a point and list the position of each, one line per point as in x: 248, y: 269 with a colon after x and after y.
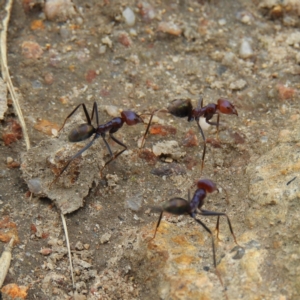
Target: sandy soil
x: 86, y: 52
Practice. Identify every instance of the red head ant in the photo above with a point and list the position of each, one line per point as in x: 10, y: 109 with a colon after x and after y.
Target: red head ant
x: 86, y: 130
x: 180, y: 206
x: 183, y: 108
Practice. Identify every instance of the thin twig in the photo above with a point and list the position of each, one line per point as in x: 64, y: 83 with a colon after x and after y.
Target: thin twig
x: 68, y: 246
x: 5, y: 72
x: 5, y: 260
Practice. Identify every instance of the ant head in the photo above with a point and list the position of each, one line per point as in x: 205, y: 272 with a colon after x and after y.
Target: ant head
x: 130, y: 117
x: 180, y: 108
x: 225, y: 107
x: 176, y: 206
x: 206, y: 184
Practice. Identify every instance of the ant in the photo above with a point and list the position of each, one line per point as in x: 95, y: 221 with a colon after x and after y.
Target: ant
x: 86, y: 130
x: 180, y: 206
x: 183, y: 108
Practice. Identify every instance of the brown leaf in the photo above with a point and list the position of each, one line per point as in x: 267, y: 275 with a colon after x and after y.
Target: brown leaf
x: 46, y: 126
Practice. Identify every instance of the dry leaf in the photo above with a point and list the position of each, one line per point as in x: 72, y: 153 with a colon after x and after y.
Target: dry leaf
x: 8, y: 230
x: 14, y: 291
x: 46, y: 126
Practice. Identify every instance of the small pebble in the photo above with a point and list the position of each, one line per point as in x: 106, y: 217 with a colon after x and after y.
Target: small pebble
x: 112, y: 110
x: 285, y: 92
x: 245, y: 49
x: 9, y: 160
x: 36, y: 84
x: 105, y: 238
x: 238, y: 85
x: 124, y: 39
x: 35, y: 185
x: 31, y: 50
x: 168, y: 148
x: 147, y: 11
x: 52, y: 242
x: 48, y: 78
x: 135, y: 202
x: 79, y: 246
x: 46, y: 251
x: 112, y: 180
x: 77, y: 271
x: 170, y: 28
x: 129, y: 16
x: 229, y: 59
x: 59, y: 9
x: 107, y: 41
x: 240, y: 251
x: 102, y: 49
x: 293, y: 39
x: 86, y: 246
x: 222, y: 22
x: 244, y: 17
x: 132, y: 32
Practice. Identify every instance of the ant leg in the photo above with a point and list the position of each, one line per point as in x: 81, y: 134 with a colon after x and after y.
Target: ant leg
x: 200, y: 102
x: 215, y: 124
x: 113, y: 157
x: 147, y: 130
x: 212, y: 238
x: 213, y: 246
x: 204, y: 149
x: 217, y: 228
x: 74, y: 110
x: 218, y: 126
x: 73, y: 157
x: 158, y: 223
x: 107, y: 145
x: 95, y: 110
x: 213, y: 213
x: 149, y: 123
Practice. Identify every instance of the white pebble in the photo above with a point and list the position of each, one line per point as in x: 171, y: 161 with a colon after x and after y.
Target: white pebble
x: 112, y: 110
x: 102, y: 49
x: 59, y: 9
x: 238, y: 85
x: 9, y: 160
x: 132, y: 32
x: 107, y: 41
x: 129, y: 16
x: 246, y: 19
x: 245, y: 49
x: 222, y: 22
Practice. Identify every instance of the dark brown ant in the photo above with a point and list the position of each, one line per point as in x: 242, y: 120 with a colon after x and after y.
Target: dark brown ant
x: 86, y: 130
x: 180, y: 206
x: 183, y: 108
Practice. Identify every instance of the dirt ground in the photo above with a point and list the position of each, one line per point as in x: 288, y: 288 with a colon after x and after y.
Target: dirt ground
x: 86, y: 52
